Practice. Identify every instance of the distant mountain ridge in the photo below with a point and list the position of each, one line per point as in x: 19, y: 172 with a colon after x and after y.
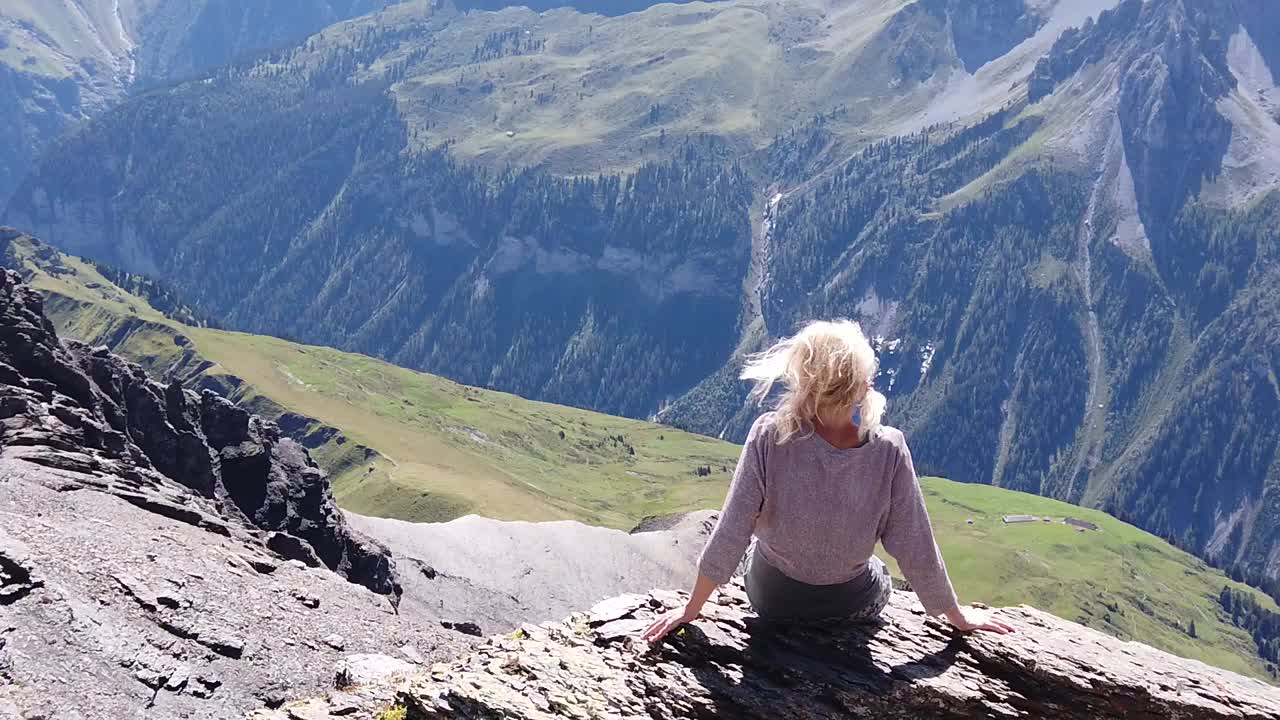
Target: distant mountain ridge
x: 63, y: 61
x: 1063, y: 239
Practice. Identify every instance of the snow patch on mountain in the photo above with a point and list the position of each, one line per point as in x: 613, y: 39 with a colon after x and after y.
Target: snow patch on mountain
x: 926, y: 359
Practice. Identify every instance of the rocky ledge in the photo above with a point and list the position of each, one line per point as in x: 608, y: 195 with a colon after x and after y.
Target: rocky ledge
x: 165, y: 553
x: 730, y: 664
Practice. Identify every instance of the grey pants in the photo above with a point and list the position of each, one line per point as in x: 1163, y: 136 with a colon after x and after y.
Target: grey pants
x: 774, y: 596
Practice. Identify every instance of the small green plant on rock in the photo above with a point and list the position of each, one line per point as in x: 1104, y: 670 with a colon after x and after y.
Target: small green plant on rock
x: 396, y: 712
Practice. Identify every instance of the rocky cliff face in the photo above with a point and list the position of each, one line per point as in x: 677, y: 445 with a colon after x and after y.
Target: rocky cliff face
x: 730, y: 664
x: 82, y: 409
x: 1174, y: 71
x: 164, y: 553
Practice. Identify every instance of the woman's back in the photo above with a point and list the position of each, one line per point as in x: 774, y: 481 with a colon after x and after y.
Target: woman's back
x: 817, y: 511
x: 823, y: 506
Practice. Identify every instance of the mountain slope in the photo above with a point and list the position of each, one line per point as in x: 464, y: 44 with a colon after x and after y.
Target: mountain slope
x: 62, y: 61
x: 399, y: 443
x: 456, y: 250
x: 1074, y: 285
x: 580, y: 92
x: 131, y: 509
x: 1066, y: 253
x: 1119, y: 579
x: 320, y: 130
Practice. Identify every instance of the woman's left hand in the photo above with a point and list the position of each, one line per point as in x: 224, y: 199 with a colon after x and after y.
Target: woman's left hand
x: 668, y: 621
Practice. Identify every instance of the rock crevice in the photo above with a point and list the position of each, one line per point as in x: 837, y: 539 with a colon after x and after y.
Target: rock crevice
x: 18, y: 577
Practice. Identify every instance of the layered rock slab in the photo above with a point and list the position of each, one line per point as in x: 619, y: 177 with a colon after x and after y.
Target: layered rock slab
x: 730, y: 664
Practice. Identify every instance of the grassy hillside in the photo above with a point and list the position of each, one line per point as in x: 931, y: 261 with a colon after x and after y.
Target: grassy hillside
x: 582, y: 92
x: 446, y: 449
x: 48, y: 39
x: 1117, y: 579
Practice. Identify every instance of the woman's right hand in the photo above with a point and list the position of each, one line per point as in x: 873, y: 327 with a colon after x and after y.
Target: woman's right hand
x: 970, y: 619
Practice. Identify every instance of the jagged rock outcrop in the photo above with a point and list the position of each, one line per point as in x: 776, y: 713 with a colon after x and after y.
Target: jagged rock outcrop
x: 1174, y: 71
x: 730, y: 664
x: 164, y: 553
x: 73, y: 407
x: 32, y: 258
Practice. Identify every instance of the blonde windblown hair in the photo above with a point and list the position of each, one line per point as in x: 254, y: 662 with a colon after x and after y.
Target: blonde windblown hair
x: 827, y: 364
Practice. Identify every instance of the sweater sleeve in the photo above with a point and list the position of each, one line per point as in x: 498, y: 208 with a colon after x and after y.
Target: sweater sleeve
x: 908, y: 536
x: 728, y: 542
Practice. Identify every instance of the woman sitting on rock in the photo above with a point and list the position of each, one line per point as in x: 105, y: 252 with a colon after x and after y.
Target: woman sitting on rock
x: 817, y: 488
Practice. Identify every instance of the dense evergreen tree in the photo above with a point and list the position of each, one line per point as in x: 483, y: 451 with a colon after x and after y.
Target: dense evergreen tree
x: 1248, y: 614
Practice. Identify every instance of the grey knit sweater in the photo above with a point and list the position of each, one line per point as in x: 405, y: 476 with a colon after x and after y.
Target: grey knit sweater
x: 817, y: 511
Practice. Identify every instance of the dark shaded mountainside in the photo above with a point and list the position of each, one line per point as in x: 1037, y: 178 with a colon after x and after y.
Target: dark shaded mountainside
x: 730, y: 664
x: 1080, y: 276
